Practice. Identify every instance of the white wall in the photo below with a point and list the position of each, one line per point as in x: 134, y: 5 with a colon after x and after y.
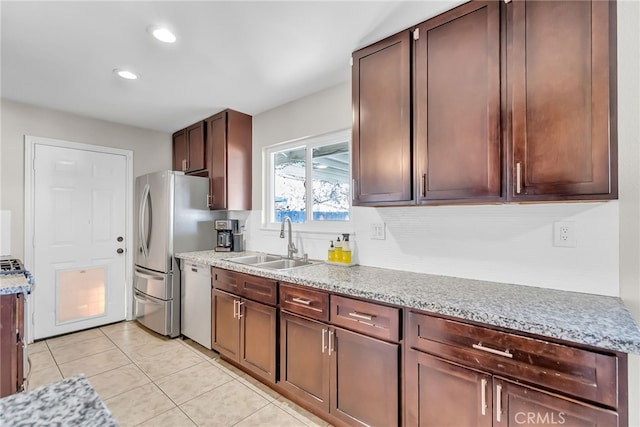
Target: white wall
x: 151, y: 150
x: 629, y: 157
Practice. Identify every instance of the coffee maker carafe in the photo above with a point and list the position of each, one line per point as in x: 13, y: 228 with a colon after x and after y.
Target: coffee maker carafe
x: 226, y: 229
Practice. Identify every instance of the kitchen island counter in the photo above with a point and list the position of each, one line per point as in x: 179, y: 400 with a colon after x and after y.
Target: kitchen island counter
x: 71, y: 402
x: 593, y: 320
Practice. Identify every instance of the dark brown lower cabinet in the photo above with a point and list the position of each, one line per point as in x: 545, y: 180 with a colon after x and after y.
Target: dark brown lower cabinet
x: 441, y: 393
x: 517, y: 405
x: 245, y: 332
x: 351, y: 376
x: 11, y: 341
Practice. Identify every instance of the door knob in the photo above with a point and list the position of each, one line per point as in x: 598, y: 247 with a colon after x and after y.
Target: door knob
x: 120, y: 250
x: 119, y: 239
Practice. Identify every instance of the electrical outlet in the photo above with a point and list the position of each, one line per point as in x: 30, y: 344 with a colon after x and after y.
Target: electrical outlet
x: 564, y: 234
x: 376, y: 232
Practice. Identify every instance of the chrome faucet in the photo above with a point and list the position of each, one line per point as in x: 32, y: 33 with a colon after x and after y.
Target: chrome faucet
x: 291, y: 248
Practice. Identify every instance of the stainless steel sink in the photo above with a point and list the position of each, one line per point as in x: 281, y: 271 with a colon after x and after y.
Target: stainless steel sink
x: 255, y: 259
x: 273, y: 262
x: 285, y: 263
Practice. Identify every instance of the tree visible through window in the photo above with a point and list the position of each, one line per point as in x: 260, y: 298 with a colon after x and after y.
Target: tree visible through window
x: 311, y: 181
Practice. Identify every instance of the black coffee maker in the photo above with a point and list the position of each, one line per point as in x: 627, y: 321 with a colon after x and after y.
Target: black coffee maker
x: 227, y: 230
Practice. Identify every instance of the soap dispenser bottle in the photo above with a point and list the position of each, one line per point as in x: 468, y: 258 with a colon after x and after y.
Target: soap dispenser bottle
x: 331, y: 255
x: 346, y: 249
x: 337, y: 251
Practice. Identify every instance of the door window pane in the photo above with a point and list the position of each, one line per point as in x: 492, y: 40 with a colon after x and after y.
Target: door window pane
x: 331, y: 189
x: 80, y: 294
x: 289, y: 185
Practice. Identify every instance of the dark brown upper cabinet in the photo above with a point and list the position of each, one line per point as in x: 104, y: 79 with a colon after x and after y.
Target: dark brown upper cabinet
x: 189, y: 149
x: 381, y: 147
x: 562, y: 98
x: 228, y: 144
x: 456, y: 86
x: 507, y: 102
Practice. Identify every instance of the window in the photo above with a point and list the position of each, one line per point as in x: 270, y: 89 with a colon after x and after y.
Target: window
x: 309, y: 180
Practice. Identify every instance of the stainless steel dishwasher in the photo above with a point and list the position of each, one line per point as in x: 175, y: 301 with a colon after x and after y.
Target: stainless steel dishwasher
x: 196, y: 303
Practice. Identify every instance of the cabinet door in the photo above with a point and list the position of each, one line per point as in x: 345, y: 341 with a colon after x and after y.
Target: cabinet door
x: 364, y: 379
x: 304, y: 361
x: 20, y: 341
x: 10, y: 365
x: 561, y: 80
x: 180, y: 151
x: 440, y: 393
x: 225, y: 329
x: 217, y: 160
x: 381, y: 122
x: 457, y: 104
x: 517, y: 405
x: 195, y: 144
x: 258, y: 339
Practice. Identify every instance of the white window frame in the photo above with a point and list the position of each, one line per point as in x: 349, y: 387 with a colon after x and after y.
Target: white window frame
x: 330, y: 227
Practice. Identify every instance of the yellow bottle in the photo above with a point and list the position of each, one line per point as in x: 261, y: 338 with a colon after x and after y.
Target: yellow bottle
x: 331, y: 256
x: 346, y: 250
x: 337, y: 251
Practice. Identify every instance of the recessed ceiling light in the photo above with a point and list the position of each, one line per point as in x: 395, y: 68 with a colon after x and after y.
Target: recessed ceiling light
x: 126, y: 74
x: 162, y: 34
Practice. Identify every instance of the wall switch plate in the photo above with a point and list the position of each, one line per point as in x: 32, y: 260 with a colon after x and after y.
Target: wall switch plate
x: 565, y: 234
x: 376, y: 232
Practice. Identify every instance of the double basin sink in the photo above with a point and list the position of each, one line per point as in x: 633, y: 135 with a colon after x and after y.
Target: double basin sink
x: 273, y: 262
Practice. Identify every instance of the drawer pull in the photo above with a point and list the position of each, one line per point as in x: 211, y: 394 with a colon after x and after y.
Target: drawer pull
x: 324, y: 331
x: 301, y: 301
x: 492, y: 351
x: 483, y: 392
x: 361, y: 315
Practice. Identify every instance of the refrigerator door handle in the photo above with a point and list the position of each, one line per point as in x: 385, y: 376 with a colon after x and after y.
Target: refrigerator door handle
x: 144, y: 207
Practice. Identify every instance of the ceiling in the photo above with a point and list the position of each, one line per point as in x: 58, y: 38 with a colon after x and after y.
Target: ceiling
x: 247, y: 55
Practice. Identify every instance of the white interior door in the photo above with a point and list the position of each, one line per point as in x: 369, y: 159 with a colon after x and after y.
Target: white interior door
x: 79, y: 232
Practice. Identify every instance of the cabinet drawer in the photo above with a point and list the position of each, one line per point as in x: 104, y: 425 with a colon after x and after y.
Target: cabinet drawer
x: 581, y: 373
x: 245, y: 285
x: 368, y: 318
x: 259, y: 289
x: 304, y: 301
x: 226, y: 280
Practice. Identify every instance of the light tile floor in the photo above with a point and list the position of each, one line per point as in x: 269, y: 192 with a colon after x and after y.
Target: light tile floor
x: 149, y: 380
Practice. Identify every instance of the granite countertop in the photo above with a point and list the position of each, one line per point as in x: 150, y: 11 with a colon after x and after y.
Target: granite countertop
x: 70, y: 402
x: 594, y: 320
x: 15, y: 283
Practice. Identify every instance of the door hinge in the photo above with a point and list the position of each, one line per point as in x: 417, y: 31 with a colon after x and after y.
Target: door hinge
x: 416, y: 34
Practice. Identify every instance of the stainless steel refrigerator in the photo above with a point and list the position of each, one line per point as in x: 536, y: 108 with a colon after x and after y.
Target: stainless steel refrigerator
x: 173, y: 217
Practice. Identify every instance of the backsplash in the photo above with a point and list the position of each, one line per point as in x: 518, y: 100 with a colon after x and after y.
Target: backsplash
x: 503, y: 243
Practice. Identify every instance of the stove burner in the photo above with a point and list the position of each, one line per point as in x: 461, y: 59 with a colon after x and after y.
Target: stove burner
x: 11, y: 266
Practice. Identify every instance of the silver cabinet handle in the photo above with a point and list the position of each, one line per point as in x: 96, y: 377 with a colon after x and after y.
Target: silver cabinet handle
x: 505, y: 353
x: 240, y: 303
x: 353, y: 189
x: 362, y: 316
x: 483, y: 393
x: 499, y: 403
x: 324, y: 331
x: 209, y: 204
x: 518, y: 177
x: 301, y: 301
x: 184, y: 165
x: 235, y: 313
x: 424, y: 185
x: 331, y: 342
